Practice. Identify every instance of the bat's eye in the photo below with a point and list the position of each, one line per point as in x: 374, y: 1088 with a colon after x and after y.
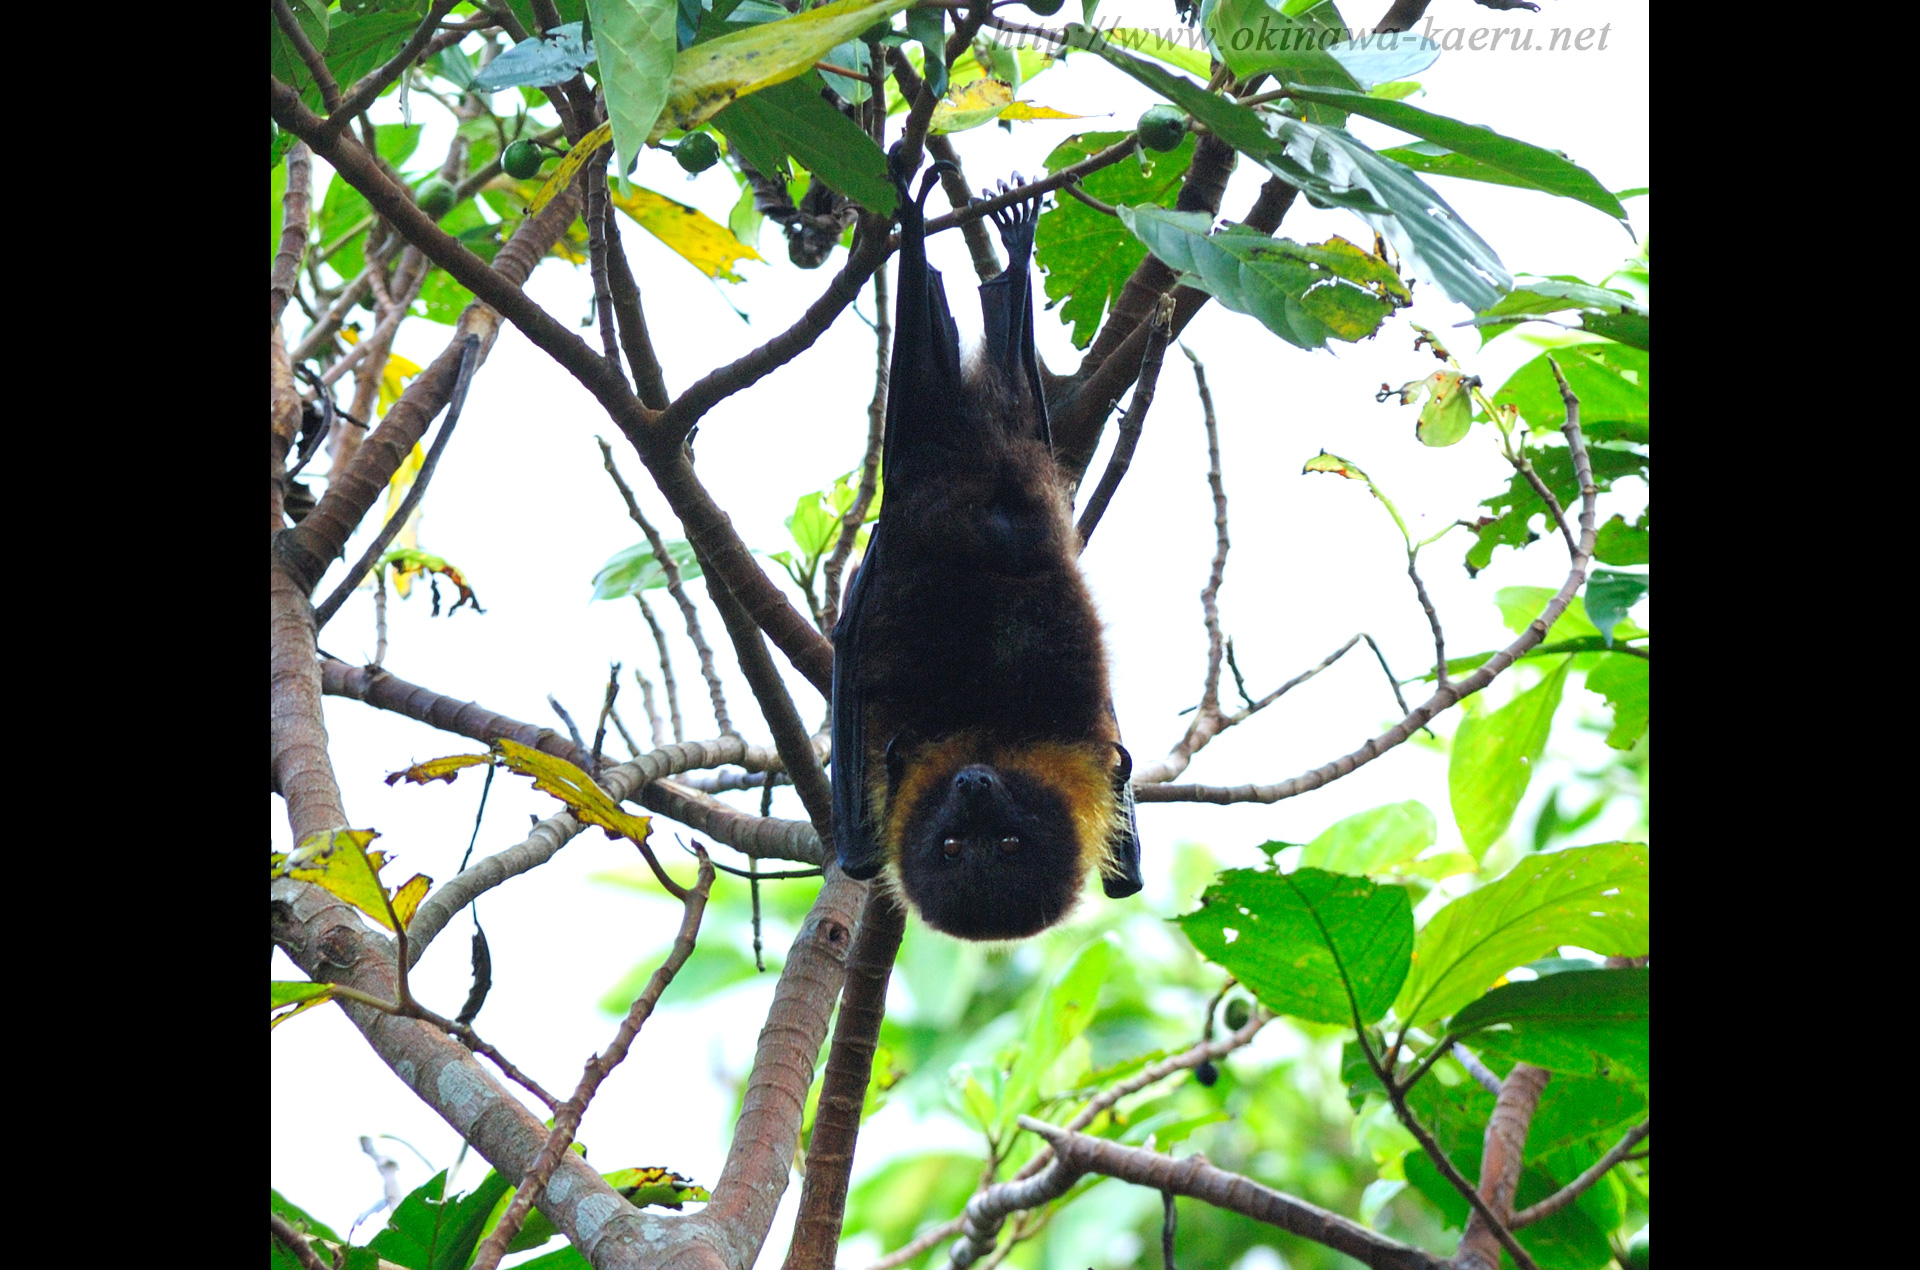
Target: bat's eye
x: 951, y: 846
x: 1009, y: 845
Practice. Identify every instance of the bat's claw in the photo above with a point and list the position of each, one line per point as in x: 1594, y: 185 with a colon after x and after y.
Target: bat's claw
x: 902, y: 175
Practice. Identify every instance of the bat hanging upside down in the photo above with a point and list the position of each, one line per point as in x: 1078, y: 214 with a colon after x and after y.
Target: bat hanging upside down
x: 976, y: 757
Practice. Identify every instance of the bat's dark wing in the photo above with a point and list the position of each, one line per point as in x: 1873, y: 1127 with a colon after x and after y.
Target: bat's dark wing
x: 861, y: 853
x: 923, y: 399
x: 1006, y: 302
x: 1123, y: 878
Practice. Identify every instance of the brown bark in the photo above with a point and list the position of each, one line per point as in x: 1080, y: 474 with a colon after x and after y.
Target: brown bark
x: 1502, y: 1156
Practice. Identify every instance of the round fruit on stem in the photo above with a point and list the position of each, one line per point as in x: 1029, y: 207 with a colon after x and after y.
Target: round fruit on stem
x: 522, y: 160
x: 436, y: 198
x: 697, y: 152
x: 1162, y: 127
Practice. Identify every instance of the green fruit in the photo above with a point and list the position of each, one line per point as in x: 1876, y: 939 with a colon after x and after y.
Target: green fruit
x: 1637, y: 1250
x: 1237, y: 1014
x: 436, y: 198
x: 1045, y: 8
x: 1161, y: 127
x: 522, y: 160
x: 697, y: 152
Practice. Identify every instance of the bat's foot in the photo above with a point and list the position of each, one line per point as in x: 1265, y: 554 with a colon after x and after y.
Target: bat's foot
x: 902, y: 175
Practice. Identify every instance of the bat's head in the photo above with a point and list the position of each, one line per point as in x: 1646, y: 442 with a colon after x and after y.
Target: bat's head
x: 998, y: 850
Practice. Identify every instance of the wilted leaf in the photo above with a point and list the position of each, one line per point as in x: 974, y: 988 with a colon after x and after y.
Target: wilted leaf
x: 1026, y: 110
x: 710, y: 76
x: 589, y: 803
x: 971, y: 105
x: 438, y: 769
x: 563, y: 172
x: 407, y: 897
x: 705, y: 244
x: 1334, y: 465
x: 660, y: 1187
x: 291, y: 998
x: 340, y: 862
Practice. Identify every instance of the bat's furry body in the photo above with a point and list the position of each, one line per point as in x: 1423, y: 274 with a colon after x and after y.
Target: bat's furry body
x: 976, y: 756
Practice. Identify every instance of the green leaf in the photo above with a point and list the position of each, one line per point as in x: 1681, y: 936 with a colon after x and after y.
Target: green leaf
x: 1621, y: 543
x: 1303, y: 294
x: 929, y: 28
x: 1581, y: 1023
x: 1432, y: 160
x: 1335, y: 168
x: 1515, y: 507
x: 633, y: 570
x: 300, y: 995
x: 298, y: 1218
x: 1088, y: 256
x: 1378, y: 60
x: 288, y: 66
x: 1372, y: 841
x: 1591, y: 897
x: 635, y: 43
x: 1568, y: 1240
x: 1063, y: 1013
x: 1611, y: 381
x: 1609, y: 595
x: 1252, y: 37
x: 1542, y: 169
x: 1493, y: 756
x: 1317, y: 945
x: 1626, y: 683
x: 426, y: 1232
x: 1520, y: 605
x: 1541, y: 296
x: 814, y: 526
x: 793, y: 118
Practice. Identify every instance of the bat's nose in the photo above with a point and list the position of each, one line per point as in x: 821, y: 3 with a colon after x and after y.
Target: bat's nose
x: 975, y: 782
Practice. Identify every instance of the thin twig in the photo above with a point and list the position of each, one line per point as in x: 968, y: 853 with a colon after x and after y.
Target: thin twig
x: 1131, y: 424
x: 1391, y: 681
x: 375, y: 82
x: 599, y: 213
x: 1433, y: 621
x: 469, y: 360
x: 1105, y: 209
x: 655, y: 725
x: 671, y: 569
x: 1481, y: 1073
x: 1442, y: 699
x: 619, y: 725
x: 666, y: 672
x: 1210, y: 594
x: 606, y: 709
x: 566, y: 1119
x: 1621, y: 1150
x: 1169, y: 1222
x: 296, y: 1243
x: 573, y: 729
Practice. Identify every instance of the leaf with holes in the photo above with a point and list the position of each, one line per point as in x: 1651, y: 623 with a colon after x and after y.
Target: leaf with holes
x: 1317, y: 945
x: 589, y: 803
x: 705, y: 244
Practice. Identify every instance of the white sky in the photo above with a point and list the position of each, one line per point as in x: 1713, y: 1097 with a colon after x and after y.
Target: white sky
x: 520, y: 504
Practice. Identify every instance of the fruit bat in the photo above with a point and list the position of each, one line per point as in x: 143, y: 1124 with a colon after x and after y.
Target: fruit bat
x: 977, y: 762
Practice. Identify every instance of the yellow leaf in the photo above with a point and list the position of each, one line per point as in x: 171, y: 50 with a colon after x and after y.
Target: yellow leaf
x: 710, y: 76
x: 340, y: 862
x: 393, y: 380
x: 1027, y: 110
x: 971, y: 105
x: 563, y: 174
x: 705, y: 244
x: 658, y: 1186
x: 439, y: 769
x: 406, y: 900
x: 1334, y: 464
x: 290, y: 999
x: 588, y: 802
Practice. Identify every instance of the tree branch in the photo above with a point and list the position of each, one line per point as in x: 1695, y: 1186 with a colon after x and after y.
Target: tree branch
x: 1501, y: 1160
x: 1077, y: 1154
x: 566, y: 1119
x: 675, y: 587
x: 843, y: 1088
x: 1130, y: 425
x: 763, y: 839
x: 1580, y: 1185
x: 1442, y: 698
x: 296, y: 207
x: 315, y: 63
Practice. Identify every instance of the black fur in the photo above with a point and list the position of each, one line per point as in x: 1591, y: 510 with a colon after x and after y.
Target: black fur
x: 968, y: 627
